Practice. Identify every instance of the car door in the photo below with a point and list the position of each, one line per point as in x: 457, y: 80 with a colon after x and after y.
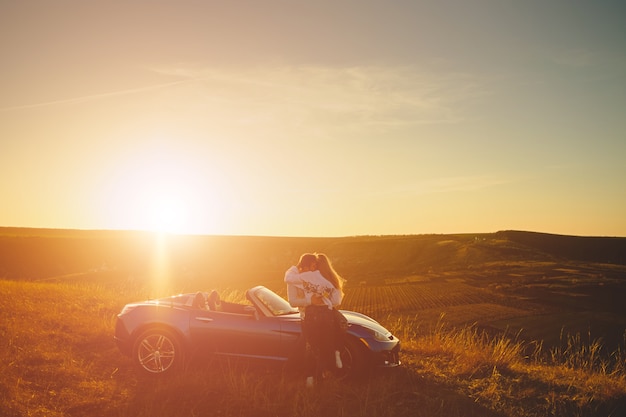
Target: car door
x: 236, y: 334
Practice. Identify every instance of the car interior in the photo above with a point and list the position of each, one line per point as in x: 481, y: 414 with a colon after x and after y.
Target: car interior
x: 214, y: 303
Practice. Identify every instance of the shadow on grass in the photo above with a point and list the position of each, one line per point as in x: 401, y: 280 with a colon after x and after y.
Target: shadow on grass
x: 222, y: 387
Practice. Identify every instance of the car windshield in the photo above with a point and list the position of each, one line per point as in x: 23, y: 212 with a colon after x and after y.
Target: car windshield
x: 275, y: 303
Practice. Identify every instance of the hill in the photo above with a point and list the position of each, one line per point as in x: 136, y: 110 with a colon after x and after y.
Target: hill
x: 611, y: 250
x: 580, y: 281
x: 44, y: 253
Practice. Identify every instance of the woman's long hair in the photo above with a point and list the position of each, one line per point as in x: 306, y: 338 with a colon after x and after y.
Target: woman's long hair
x: 328, y: 272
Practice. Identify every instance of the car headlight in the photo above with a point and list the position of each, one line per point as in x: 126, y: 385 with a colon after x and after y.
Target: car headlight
x: 381, y: 337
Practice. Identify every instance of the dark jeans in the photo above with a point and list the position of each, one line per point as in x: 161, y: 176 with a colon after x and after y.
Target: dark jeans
x: 320, y: 332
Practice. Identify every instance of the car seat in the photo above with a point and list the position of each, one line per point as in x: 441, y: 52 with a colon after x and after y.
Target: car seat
x: 199, y: 302
x: 214, y: 301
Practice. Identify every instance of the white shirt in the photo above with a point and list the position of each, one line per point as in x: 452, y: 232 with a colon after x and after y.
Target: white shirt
x: 301, y: 286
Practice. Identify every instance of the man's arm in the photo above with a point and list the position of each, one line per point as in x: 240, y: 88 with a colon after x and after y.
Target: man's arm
x: 292, y: 276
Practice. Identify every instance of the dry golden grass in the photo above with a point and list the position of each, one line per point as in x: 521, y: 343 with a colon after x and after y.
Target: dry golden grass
x: 58, y: 339
x: 516, y: 378
x: 62, y: 362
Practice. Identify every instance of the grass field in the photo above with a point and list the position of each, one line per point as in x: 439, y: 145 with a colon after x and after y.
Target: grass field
x: 63, y: 362
x: 500, y: 337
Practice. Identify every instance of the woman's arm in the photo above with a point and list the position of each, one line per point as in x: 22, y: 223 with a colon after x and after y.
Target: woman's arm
x: 336, y: 297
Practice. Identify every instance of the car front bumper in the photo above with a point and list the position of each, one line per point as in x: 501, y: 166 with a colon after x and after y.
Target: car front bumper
x: 387, y: 358
x: 122, y: 338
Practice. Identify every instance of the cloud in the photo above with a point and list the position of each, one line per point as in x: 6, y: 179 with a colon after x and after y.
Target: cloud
x: 344, y: 97
x: 93, y: 97
x: 308, y: 97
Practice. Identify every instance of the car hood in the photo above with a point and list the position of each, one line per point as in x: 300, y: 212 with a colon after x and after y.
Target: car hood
x: 353, y: 318
x: 363, y: 320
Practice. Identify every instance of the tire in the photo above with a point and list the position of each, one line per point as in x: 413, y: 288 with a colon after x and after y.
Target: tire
x: 158, y: 351
x: 353, y: 360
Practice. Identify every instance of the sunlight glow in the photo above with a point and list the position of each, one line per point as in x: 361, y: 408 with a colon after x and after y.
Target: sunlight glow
x: 161, y: 270
x: 158, y: 187
x: 167, y: 213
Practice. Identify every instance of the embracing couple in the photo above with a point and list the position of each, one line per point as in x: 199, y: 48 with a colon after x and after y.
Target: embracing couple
x: 316, y: 289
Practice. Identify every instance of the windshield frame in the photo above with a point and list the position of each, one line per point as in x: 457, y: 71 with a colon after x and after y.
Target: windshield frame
x: 273, y: 303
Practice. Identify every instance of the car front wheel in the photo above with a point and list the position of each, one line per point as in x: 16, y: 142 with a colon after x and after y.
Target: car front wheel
x: 157, y: 352
x: 353, y: 360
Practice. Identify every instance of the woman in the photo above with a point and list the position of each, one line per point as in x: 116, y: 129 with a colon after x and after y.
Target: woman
x: 316, y: 296
x: 339, y: 321
x: 328, y: 272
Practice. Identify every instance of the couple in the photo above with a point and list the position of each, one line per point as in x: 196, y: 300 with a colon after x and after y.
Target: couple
x: 316, y: 289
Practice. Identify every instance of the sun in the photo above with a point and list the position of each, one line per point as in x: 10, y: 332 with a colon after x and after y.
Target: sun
x: 166, y: 189
x: 167, y: 214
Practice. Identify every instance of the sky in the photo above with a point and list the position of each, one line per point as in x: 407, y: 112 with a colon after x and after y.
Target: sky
x: 314, y: 118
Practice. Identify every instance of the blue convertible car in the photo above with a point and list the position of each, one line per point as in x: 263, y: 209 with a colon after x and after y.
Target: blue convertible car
x: 160, y: 334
